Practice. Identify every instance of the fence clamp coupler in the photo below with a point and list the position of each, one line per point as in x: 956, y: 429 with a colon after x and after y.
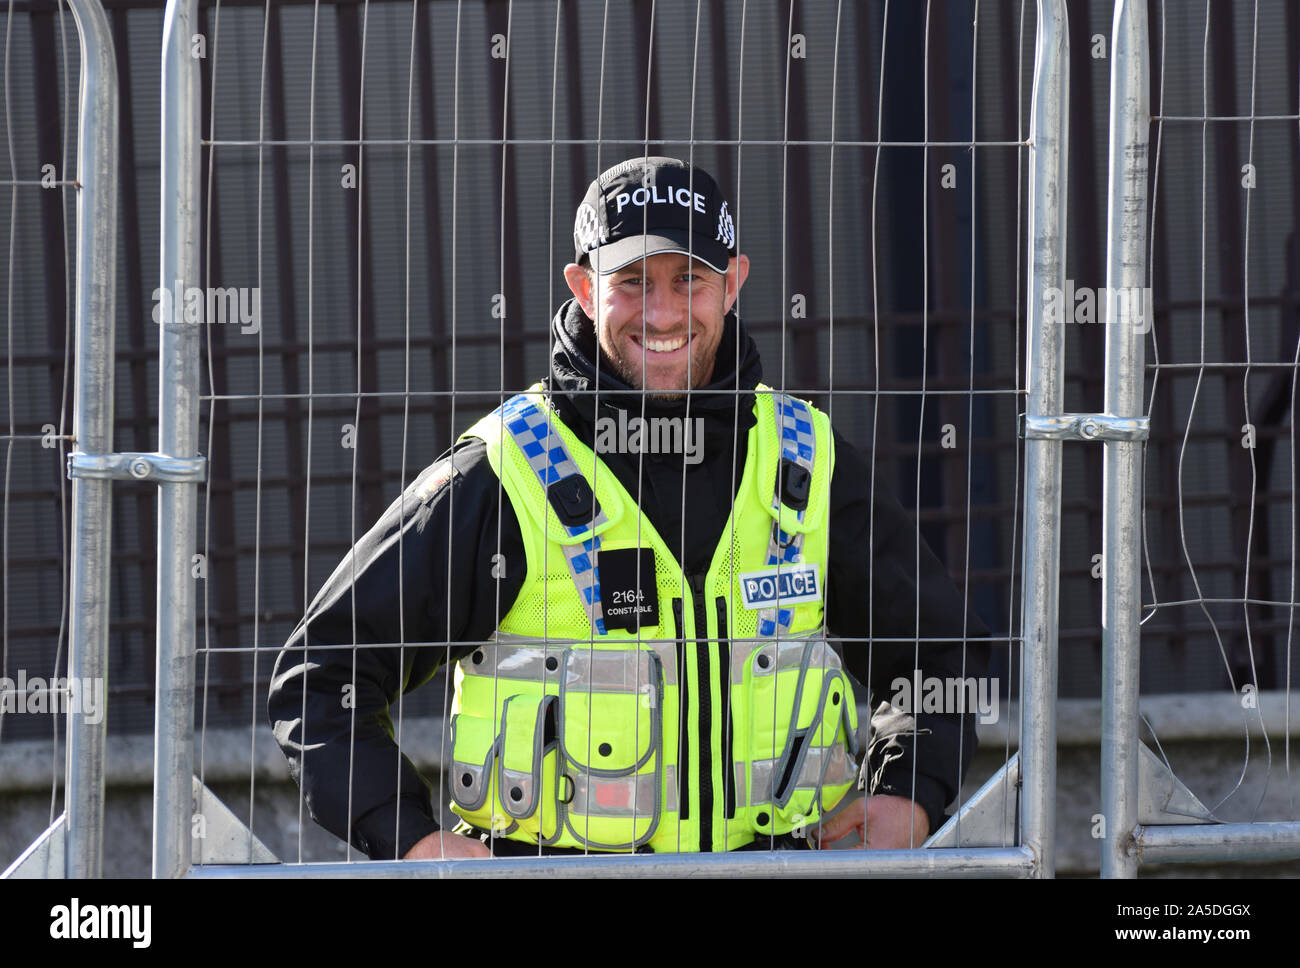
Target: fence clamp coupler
x: 1084, y: 426
x: 158, y: 468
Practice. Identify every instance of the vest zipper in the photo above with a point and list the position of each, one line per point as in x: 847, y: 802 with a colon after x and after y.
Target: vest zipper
x: 704, y: 682
x: 683, y: 718
x: 724, y: 685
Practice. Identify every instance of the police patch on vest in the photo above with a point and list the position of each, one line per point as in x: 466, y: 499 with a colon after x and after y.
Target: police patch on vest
x: 629, y: 597
x: 787, y: 585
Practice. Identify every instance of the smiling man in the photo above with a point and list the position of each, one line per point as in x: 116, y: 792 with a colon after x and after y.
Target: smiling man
x: 642, y: 635
x: 660, y: 318
x: 659, y: 240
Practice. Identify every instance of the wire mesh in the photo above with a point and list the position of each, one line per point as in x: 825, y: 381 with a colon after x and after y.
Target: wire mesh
x: 40, y: 68
x: 394, y: 182
x: 1219, y: 552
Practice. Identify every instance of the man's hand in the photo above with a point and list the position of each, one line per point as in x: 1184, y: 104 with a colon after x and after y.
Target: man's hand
x: 444, y: 845
x: 890, y: 823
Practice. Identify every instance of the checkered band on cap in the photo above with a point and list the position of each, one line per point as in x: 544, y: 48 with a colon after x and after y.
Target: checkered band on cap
x: 798, y: 444
x: 533, y: 432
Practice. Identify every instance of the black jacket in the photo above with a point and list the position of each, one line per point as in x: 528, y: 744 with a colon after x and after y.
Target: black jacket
x: 436, y: 584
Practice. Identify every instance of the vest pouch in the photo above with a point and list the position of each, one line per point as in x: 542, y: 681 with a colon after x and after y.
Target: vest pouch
x: 803, y: 720
x: 475, y: 748
x: 819, y: 769
x: 611, y: 736
x: 528, y: 765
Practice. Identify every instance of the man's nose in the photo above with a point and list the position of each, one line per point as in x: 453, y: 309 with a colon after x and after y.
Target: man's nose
x: 665, y: 310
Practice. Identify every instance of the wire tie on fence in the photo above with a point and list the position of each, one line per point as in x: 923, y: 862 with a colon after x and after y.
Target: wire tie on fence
x: 1084, y: 426
x: 158, y: 468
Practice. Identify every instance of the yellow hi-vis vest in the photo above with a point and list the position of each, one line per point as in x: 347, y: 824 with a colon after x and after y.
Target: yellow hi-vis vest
x: 570, y: 732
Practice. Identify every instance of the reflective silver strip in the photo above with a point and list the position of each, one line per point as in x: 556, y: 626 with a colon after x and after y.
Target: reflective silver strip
x: 789, y: 654
x: 670, y: 787
x: 614, y: 796
x: 524, y: 657
x: 823, y: 655
x: 511, y: 780
x: 742, y: 653
x: 524, y: 662
x: 636, y: 798
x: 609, y: 670
x: 473, y: 794
x: 841, y: 769
x: 816, y: 759
x: 667, y: 652
x: 760, y: 787
x: 823, y: 766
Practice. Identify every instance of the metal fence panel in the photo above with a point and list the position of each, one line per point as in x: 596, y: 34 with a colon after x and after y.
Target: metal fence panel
x: 78, y: 835
x: 490, y: 140
x: 1239, y: 625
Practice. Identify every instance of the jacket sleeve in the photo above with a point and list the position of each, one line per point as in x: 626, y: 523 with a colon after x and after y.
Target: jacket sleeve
x: 421, y: 576
x: 879, y: 587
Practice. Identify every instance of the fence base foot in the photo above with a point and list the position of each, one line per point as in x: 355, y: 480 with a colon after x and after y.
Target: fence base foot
x: 988, y: 818
x: 219, y: 837
x: 1162, y: 797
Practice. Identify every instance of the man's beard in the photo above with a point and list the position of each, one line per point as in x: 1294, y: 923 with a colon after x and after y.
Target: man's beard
x: 627, y: 372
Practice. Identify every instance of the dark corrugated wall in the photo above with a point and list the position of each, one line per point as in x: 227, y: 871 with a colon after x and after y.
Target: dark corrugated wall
x: 346, y: 274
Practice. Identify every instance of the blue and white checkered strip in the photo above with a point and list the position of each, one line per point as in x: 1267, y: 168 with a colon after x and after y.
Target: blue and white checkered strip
x: 533, y: 432
x: 798, y: 444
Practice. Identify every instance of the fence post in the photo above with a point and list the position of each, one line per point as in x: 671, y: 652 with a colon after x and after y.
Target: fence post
x: 1044, y: 369
x: 178, y: 434
x: 1126, y: 236
x: 92, y: 430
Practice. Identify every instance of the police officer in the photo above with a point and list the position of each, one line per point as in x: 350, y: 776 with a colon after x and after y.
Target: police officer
x: 637, y: 566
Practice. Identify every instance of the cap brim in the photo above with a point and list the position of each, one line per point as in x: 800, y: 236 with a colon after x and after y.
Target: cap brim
x: 616, y: 255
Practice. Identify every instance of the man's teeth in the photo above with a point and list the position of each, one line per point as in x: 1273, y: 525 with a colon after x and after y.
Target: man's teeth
x: 665, y: 345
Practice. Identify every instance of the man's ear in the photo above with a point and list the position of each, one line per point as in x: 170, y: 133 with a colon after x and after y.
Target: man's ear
x: 580, y: 285
x: 737, y: 273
